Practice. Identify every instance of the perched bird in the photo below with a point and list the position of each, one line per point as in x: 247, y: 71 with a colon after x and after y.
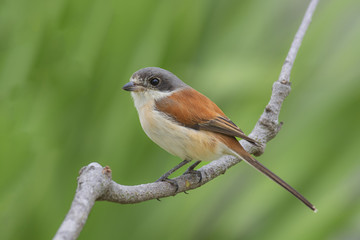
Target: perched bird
x: 189, y: 125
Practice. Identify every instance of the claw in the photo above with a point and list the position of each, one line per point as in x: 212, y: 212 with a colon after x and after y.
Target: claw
x: 197, y: 173
x: 171, y: 181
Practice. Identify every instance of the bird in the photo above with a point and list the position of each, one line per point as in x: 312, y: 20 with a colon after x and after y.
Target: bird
x: 187, y: 124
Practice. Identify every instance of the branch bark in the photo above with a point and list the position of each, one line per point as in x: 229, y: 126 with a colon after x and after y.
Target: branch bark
x: 95, y: 184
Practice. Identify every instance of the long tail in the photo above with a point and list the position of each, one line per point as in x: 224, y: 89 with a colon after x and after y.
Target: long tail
x: 256, y: 164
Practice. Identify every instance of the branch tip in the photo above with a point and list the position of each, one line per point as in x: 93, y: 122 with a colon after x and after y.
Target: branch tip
x: 107, y: 171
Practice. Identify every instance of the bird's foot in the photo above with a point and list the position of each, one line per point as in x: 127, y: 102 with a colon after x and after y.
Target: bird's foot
x: 191, y: 170
x: 194, y: 172
x: 171, y: 181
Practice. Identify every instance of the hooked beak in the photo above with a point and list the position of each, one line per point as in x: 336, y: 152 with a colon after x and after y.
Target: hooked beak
x: 130, y: 86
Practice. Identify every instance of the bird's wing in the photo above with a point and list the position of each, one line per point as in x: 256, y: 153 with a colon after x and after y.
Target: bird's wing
x: 225, y: 126
x: 192, y: 109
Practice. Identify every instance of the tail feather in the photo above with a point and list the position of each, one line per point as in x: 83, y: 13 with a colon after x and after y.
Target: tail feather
x: 257, y: 165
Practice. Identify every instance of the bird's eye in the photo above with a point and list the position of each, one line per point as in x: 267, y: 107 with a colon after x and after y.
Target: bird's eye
x: 154, y: 81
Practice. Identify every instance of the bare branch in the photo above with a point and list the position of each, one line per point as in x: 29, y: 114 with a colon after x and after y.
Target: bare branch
x: 94, y: 182
x: 290, y: 58
x: 268, y: 125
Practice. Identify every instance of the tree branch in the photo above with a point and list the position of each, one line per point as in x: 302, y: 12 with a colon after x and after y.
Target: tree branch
x: 268, y: 125
x: 95, y: 184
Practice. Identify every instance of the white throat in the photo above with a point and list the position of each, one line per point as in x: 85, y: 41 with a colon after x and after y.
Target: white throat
x: 147, y: 97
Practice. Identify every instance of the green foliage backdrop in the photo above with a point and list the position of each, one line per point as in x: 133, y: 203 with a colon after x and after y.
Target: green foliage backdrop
x: 62, y: 66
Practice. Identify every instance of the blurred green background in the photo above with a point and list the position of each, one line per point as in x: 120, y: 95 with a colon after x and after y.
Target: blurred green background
x: 62, y: 66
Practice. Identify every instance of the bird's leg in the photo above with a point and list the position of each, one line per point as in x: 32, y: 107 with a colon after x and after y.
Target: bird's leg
x: 164, y: 178
x: 191, y: 170
x: 167, y: 174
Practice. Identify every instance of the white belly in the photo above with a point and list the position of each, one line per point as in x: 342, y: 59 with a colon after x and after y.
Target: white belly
x: 180, y: 141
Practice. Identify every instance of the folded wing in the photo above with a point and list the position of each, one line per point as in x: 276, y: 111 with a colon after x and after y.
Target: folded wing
x: 192, y: 109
